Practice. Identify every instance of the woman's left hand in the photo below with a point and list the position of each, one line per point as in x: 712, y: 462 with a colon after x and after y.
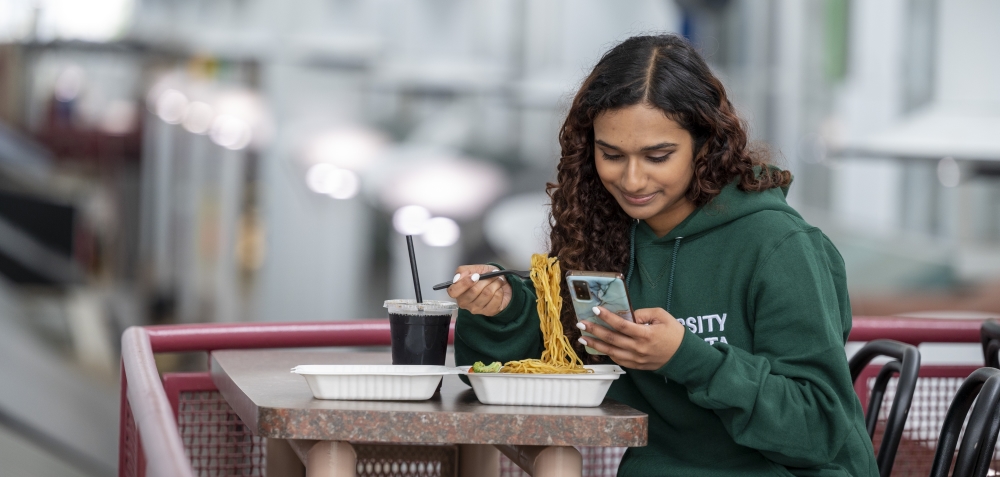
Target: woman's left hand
x: 646, y: 344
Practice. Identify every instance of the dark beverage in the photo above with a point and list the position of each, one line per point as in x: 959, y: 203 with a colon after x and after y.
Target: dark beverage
x: 419, y: 331
x: 419, y: 339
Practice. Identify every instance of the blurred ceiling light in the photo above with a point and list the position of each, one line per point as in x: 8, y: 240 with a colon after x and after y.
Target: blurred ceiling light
x: 230, y: 132
x: 93, y: 20
x: 69, y: 83
x: 171, y: 105
x: 119, y: 117
x: 411, y: 219
x: 452, y: 187
x: 316, y: 178
x: 166, y: 81
x: 248, y: 107
x: 345, y: 184
x: 330, y: 180
x: 348, y: 148
x: 948, y: 172
x: 198, y: 117
x: 234, y: 118
x: 441, y: 232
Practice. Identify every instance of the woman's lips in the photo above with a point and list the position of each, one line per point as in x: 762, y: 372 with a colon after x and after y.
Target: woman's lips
x: 638, y: 199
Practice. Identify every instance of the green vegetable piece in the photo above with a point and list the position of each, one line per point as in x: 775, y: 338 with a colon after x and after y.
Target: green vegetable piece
x: 479, y: 367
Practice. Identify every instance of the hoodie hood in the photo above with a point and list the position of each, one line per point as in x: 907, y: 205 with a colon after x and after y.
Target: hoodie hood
x: 730, y: 205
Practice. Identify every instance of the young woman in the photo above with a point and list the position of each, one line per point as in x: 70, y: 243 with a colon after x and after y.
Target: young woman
x: 741, y: 307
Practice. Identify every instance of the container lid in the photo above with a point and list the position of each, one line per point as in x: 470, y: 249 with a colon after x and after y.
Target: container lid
x: 373, y: 370
x: 411, y: 305
x: 601, y: 371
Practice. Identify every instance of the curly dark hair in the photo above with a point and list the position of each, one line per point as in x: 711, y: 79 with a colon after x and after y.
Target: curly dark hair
x: 590, y: 231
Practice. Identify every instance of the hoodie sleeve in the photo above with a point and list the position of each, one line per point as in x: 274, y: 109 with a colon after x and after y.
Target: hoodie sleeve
x: 512, y: 334
x: 792, y: 397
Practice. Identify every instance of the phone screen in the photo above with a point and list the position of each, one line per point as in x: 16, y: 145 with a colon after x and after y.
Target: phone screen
x: 590, y: 289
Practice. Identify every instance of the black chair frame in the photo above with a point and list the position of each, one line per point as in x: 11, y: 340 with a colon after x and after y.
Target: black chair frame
x: 989, y: 335
x: 979, y: 441
x: 907, y: 364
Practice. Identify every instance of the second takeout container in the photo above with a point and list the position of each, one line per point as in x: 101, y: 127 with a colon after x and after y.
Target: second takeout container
x: 573, y: 390
x: 373, y: 382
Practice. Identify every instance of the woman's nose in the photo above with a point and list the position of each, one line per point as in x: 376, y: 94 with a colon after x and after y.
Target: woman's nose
x: 634, y: 179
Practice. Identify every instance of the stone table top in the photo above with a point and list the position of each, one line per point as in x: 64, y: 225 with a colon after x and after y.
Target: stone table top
x: 274, y: 402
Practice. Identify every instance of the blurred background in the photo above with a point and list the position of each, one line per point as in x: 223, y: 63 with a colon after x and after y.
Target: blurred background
x: 181, y: 161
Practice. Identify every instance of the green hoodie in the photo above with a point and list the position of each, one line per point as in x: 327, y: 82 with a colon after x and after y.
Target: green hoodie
x: 760, y: 384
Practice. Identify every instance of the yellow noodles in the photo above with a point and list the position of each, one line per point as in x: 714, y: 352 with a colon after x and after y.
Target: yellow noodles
x: 558, y: 357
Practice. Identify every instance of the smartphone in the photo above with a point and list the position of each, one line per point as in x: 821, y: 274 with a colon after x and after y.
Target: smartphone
x: 590, y: 289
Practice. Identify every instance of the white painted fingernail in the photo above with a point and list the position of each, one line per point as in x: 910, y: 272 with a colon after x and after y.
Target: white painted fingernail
x: 581, y: 326
x: 597, y: 311
x: 458, y: 276
x: 475, y: 277
x: 582, y: 341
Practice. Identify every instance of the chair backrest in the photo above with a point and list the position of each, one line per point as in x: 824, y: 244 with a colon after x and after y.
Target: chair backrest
x: 976, y: 451
x: 989, y: 335
x: 907, y: 365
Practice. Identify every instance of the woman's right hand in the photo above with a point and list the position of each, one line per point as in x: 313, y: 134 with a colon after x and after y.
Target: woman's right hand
x: 481, y: 297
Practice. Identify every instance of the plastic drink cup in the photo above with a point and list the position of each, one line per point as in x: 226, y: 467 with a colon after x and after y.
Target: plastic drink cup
x: 419, y: 331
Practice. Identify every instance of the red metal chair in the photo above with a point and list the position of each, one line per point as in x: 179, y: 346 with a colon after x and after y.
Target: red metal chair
x: 155, y: 411
x: 937, y: 384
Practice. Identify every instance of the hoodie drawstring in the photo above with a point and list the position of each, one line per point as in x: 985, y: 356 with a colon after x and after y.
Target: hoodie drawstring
x: 631, y: 253
x: 631, y: 263
x: 673, y: 266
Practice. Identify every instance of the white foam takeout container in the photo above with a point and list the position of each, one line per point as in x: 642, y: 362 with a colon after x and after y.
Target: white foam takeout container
x: 573, y: 390
x: 373, y: 382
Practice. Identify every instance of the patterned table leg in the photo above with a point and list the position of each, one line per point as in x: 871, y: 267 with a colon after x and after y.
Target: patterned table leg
x: 326, y: 458
x: 559, y: 461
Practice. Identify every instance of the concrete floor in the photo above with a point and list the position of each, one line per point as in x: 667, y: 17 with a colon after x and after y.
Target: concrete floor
x: 45, y: 390
x: 20, y: 458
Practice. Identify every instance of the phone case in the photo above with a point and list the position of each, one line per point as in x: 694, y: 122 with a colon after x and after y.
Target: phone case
x: 605, y: 289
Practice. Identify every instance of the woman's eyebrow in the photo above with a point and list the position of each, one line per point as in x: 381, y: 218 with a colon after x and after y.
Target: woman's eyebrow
x: 654, y: 147
x: 609, y: 146
x: 662, y: 145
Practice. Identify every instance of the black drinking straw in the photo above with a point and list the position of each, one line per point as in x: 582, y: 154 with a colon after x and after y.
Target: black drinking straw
x: 413, y: 268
